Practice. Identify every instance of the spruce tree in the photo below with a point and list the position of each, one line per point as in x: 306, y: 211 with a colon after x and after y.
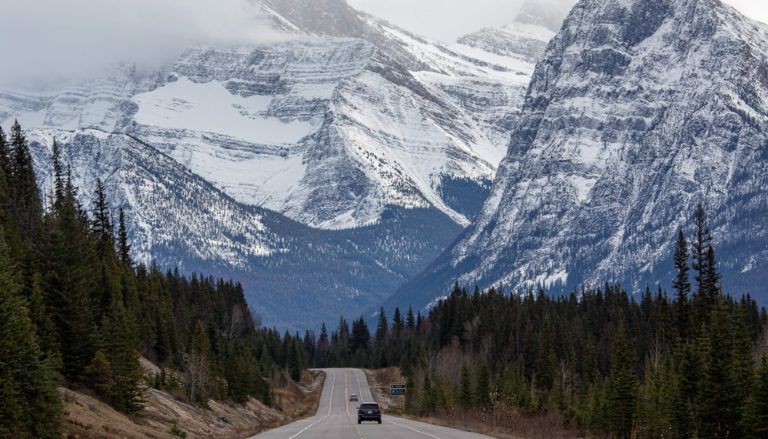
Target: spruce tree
x: 381, y: 329
x: 410, y: 320
x: 755, y: 423
x: 30, y: 402
x: 27, y: 206
x: 720, y: 407
x: 682, y: 285
x: 58, y: 175
x: 742, y: 367
x: 5, y: 154
x: 397, y: 322
x: 70, y: 283
x: 120, y: 343
x: 711, y: 276
x: 483, y: 391
x: 686, y: 396
x: 700, y: 245
x: 622, y: 391
x: 466, y: 397
x: 124, y: 248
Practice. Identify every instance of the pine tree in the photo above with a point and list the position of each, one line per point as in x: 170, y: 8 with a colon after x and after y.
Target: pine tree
x: 102, y: 226
x: 711, y: 275
x: 622, y: 391
x: 700, y: 245
x: 109, y: 276
x: 410, y: 320
x: 30, y: 403
x: 69, y: 277
x: 120, y: 348
x: 719, y: 404
x: 483, y: 391
x: 41, y: 317
x: 466, y: 396
x: 742, y: 368
x: 686, y: 397
x: 545, y: 373
x: 5, y: 154
x: 682, y: 285
x: 398, y: 324
x: 381, y: 329
x: 124, y: 248
x: 755, y: 423
x: 293, y: 361
x: 58, y: 175
x: 27, y: 206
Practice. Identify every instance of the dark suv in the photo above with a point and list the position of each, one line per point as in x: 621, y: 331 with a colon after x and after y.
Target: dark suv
x: 369, y: 411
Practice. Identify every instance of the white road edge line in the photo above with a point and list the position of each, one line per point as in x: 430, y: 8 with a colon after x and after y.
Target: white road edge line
x: 412, y: 429
x: 359, y: 372
x: 330, y: 406
x: 357, y: 376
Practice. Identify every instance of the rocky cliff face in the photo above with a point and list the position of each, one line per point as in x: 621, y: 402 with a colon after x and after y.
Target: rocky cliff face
x: 638, y: 111
x: 338, y: 161
x: 347, y: 116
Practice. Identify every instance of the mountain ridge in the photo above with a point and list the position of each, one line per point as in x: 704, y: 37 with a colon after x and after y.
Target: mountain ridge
x: 625, y: 128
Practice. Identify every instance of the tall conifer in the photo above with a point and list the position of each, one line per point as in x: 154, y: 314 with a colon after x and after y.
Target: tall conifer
x: 622, y: 391
x: 682, y: 285
x: 29, y: 402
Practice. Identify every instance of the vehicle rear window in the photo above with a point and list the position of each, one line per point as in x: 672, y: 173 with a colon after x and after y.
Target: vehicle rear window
x: 369, y: 406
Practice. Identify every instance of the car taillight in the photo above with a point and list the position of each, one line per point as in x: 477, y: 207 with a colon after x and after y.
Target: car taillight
x: 379, y: 411
x: 359, y: 412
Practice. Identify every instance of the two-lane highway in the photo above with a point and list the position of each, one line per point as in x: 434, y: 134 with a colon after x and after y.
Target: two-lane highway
x: 336, y: 416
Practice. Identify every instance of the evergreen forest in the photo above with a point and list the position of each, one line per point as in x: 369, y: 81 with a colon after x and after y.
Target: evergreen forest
x: 687, y: 365
x: 77, y: 311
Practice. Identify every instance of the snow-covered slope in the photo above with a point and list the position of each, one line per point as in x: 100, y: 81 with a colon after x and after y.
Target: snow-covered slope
x: 382, y: 116
x: 295, y: 276
x: 638, y: 111
x: 376, y: 145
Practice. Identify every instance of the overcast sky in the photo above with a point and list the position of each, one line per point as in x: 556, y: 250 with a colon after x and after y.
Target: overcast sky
x: 448, y: 19
x: 45, y: 39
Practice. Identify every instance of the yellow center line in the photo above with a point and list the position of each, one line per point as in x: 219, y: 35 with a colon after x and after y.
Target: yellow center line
x: 346, y: 397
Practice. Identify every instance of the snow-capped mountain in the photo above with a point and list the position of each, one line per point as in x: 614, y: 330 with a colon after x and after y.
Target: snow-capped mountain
x: 638, y: 111
x: 295, y: 276
x: 347, y: 116
x: 360, y: 133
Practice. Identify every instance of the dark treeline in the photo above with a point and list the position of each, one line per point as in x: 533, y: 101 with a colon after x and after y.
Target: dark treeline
x: 75, y: 310
x: 681, y: 366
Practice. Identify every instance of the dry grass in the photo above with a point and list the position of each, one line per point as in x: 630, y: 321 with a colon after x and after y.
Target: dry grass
x: 504, y: 422
x: 379, y: 381
x: 299, y: 400
x: 87, y: 417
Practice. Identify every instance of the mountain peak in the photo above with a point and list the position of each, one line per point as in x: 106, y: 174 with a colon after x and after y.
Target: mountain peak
x: 639, y: 110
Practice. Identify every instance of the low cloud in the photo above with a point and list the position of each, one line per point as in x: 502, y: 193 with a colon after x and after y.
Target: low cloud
x: 45, y: 41
x: 447, y: 20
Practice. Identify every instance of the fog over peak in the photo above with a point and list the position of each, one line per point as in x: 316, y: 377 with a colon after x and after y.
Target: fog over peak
x: 48, y: 41
x: 447, y: 20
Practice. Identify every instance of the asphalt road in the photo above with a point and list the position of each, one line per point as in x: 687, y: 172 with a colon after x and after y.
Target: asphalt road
x: 336, y: 417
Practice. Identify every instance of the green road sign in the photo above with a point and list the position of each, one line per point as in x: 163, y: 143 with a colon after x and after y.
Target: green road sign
x: 397, y: 389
